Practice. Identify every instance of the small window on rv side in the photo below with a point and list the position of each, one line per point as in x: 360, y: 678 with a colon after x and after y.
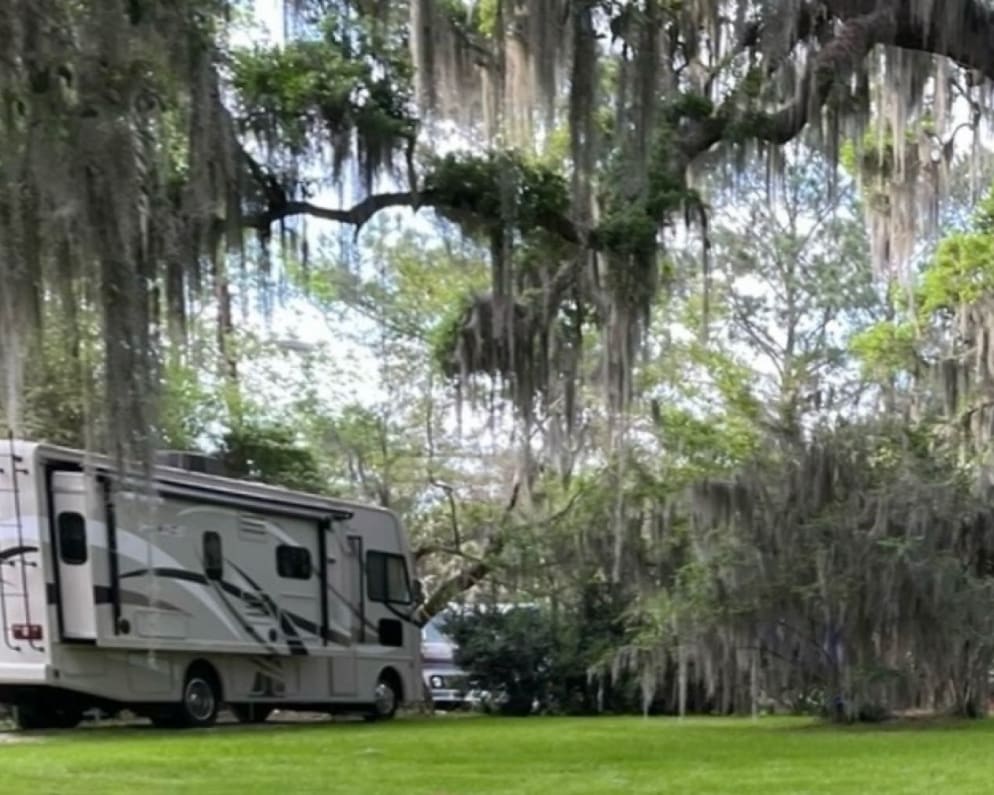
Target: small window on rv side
x: 213, y: 556
x: 386, y: 578
x: 294, y: 563
x: 72, y: 538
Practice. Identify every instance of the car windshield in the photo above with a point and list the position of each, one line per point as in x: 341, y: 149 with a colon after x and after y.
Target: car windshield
x: 433, y: 633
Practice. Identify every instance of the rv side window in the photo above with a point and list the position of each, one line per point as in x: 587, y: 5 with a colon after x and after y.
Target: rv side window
x: 294, y: 563
x: 213, y: 558
x: 72, y: 538
x: 386, y: 577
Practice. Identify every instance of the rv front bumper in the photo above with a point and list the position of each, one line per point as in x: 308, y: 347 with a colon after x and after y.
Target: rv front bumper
x: 25, y: 673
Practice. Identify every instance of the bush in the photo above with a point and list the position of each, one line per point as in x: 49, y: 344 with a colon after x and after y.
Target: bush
x: 534, y: 659
x: 508, y: 652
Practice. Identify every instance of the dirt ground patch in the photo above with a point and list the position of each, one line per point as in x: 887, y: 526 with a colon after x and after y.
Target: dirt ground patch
x: 7, y: 738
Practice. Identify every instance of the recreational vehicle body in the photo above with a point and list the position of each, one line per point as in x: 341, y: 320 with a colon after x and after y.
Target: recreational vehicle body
x: 173, y: 596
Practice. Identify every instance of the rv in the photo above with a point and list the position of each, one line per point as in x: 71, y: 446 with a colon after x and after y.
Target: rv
x: 176, y: 595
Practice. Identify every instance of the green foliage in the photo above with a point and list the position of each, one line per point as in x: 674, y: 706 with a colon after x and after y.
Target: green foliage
x: 709, y: 426
x: 189, y: 407
x: 533, y: 657
x: 961, y: 273
x: 60, y: 394
x: 271, y: 452
x: 873, y: 156
x: 886, y: 348
x: 485, y: 16
x: 354, y: 79
x: 508, y: 652
x: 689, y: 105
x: 485, y: 192
x: 704, y: 445
x: 629, y: 232
x: 444, y: 337
x: 984, y: 213
x: 629, y: 228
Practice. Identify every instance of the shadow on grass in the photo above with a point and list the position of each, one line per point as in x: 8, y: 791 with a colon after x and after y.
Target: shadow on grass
x: 141, y: 729
x: 917, y: 723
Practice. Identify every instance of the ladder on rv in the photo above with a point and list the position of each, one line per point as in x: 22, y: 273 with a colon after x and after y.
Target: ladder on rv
x: 18, y: 525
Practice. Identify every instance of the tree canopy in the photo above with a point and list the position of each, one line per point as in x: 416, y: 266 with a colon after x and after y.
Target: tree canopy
x: 140, y: 143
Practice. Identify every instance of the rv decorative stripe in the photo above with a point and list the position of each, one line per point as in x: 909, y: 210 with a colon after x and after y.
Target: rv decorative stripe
x: 11, y: 552
x: 104, y: 595
x: 163, y: 571
x: 234, y: 590
x: 289, y: 622
x: 201, y: 579
x: 310, y: 627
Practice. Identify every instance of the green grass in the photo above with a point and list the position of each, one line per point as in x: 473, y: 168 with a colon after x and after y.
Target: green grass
x: 445, y: 756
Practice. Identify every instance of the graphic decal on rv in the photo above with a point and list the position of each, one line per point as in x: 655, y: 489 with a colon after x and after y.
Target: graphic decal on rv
x: 103, y: 595
x: 191, y: 576
x: 288, y: 621
x: 13, y: 552
x: 136, y: 549
x: 333, y: 635
x: 293, y: 641
x: 172, y: 574
x: 237, y: 592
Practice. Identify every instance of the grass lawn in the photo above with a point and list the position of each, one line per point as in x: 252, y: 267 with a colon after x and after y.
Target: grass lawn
x: 445, y: 756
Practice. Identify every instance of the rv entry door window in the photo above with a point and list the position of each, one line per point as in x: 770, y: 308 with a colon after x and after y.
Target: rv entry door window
x: 72, y: 538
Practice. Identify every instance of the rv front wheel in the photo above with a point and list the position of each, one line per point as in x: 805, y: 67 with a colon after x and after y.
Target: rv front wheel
x: 386, y: 698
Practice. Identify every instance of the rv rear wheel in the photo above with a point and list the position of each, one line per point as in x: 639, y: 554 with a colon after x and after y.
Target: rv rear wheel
x: 251, y: 713
x: 200, y: 703
x: 201, y: 699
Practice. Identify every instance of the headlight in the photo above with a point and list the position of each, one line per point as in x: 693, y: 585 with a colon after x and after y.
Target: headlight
x: 436, y: 681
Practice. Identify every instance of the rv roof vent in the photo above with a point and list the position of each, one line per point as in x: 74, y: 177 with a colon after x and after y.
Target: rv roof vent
x: 192, y: 462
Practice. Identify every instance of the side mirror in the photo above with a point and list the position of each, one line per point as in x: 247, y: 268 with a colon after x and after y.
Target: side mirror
x: 419, y: 592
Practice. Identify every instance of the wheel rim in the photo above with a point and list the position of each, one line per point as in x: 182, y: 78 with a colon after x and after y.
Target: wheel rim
x: 386, y: 699
x: 200, y: 699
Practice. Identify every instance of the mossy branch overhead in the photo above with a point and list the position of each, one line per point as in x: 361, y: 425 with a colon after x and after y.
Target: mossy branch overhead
x: 126, y: 124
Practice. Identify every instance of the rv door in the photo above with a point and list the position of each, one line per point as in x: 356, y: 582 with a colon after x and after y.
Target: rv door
x: 343, y: 606
x: 77, y: 542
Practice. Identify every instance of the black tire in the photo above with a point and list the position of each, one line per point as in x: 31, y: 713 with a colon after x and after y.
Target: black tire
x: 251, y: 713
x: 33, y: 718
x: 199, y: 704
x: 386, y: 698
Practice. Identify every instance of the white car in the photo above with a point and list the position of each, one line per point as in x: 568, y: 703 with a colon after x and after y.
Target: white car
x: 449, y: 685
